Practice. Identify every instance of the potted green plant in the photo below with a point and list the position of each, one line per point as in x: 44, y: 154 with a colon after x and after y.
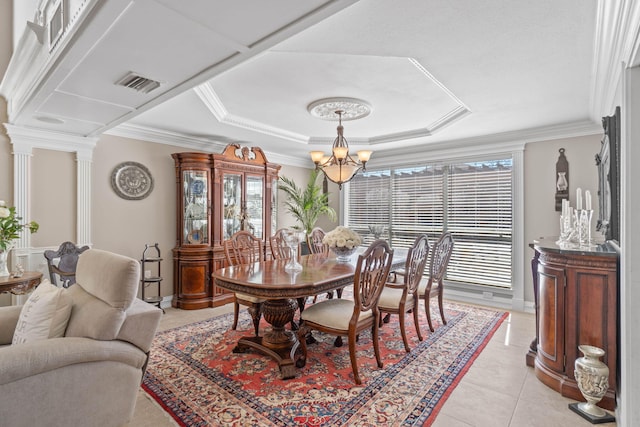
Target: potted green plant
x: 308, y: 203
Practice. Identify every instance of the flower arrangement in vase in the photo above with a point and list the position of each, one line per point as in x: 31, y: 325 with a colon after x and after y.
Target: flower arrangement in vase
x: 343, y: 242
x: 10, y: 228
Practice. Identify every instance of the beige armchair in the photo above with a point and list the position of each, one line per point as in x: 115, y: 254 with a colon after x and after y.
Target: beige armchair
x: 92, y: 374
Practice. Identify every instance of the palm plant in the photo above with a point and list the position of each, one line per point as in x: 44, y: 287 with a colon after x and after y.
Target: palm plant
x: 306, y: 204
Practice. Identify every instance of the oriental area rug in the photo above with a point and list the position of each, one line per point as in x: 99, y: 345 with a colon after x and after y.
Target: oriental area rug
x: 195, y: 376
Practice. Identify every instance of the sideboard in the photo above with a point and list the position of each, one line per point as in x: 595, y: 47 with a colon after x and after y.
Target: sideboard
x: 576, y: 297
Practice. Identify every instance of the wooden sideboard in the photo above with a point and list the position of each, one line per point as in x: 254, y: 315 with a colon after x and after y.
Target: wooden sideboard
x: 576, y: 297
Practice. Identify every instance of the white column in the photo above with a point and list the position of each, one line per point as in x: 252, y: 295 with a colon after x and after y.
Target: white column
x: 83, y: 230
x: 24, y: 140
x: 22, y: 153
x: 628, y: 409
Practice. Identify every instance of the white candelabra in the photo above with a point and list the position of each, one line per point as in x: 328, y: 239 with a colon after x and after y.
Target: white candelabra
x: 575, y: 224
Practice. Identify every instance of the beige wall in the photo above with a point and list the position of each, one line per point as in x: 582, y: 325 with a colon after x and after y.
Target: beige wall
x: 540, y: 217
x: 53, y: 198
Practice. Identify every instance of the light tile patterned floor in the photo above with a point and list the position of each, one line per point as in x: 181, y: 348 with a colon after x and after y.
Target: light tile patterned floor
x: 498, y: 391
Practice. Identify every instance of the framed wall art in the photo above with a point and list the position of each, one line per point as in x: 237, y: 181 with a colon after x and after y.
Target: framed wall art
x: 608, y: 163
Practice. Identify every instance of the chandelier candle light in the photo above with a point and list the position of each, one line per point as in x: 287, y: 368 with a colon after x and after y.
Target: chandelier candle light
x: 340, y: 167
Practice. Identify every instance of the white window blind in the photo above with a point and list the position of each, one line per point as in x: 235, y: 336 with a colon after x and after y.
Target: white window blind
x: 479, y: 215
x: 416, y: 206
x: 472, y: 200
x: 369, y: 203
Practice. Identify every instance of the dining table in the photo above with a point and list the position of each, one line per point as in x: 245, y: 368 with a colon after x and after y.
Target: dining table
x: 282, y: 289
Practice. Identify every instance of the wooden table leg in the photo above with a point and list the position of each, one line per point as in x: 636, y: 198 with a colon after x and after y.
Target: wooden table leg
x: 277, y: 342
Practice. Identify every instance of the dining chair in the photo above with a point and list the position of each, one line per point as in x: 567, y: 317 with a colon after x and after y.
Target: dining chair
x: 62, y: 263
x: 402, y: 298
x: 278, y: 245
x: 245, y: 248
x: 350, y: 317
x: 440, y: 255
x: 315, y: 242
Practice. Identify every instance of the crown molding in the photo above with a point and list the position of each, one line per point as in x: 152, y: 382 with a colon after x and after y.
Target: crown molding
x: 505, y: 142
x: 192, y: 143
x: 616, y: 45
x: 27, y: 138
x: 212, y: 101
x: 144, y: 133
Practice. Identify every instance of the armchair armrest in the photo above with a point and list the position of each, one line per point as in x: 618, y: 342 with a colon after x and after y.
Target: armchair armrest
x: 8, y: 321
x: 24, y: 360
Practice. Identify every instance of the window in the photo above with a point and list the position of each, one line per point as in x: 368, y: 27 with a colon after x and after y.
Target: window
x: 471, y: 199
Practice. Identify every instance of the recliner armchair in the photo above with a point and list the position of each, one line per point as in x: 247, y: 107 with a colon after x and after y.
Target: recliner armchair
x: 90, y: 376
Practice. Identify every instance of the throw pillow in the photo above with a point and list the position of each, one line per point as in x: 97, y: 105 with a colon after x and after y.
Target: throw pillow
x: 44, y: 315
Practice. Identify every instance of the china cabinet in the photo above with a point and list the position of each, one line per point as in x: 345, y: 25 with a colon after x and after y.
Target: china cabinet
x: 218, y: 195
x: 576, y: 293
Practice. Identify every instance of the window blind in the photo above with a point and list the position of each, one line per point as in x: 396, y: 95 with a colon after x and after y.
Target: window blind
x: 472, y: 200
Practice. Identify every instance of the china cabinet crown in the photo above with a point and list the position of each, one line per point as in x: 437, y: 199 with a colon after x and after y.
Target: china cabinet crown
x: 218, y: 195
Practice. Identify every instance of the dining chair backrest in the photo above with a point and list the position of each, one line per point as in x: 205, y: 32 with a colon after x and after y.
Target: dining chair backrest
x: 278, y: 244
x: 243, y: 248
x: 440, y: 256
x: 371, y: 274
x: 62, y: 263
x: 315, y: 242
x: 416, y: 262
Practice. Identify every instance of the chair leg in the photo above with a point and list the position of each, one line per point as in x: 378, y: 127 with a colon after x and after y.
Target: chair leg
x: 416, y: 322
x: 428, y: 311
x: 403, y: 332
x: 444, y: 321
x: 303, y: 330
x: 376, y: 347
x: 352, y: 355
x: 236, y: 310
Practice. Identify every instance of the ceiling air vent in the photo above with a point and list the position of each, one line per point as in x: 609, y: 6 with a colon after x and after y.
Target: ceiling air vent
x: 137, y: 82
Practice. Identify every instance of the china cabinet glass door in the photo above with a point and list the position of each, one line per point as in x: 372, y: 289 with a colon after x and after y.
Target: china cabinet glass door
x: 196, y: 220
x: 274, y: 206
x: 254, y: 204
x: 231, y: 204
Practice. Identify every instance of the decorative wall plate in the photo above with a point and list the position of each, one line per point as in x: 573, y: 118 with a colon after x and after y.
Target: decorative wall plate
x: 131, y: 181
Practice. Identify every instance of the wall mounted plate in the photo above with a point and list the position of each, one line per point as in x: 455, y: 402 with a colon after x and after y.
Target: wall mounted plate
x: 131, y: 181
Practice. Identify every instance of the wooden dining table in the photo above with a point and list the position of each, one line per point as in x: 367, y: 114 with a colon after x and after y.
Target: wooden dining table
x: 269, y: 280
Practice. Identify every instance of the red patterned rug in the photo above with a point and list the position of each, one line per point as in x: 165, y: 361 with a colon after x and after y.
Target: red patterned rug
x: 194, y: 375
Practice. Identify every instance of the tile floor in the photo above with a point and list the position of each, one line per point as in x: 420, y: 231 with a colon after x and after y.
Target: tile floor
x: 499, y: 390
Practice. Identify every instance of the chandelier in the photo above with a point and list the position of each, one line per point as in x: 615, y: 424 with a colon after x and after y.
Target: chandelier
x: 340, y: 167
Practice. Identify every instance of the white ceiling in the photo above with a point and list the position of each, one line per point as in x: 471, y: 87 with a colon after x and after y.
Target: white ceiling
x: 433, y: 71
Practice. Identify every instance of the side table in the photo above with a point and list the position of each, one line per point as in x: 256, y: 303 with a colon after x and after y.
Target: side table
x: 20, y: 285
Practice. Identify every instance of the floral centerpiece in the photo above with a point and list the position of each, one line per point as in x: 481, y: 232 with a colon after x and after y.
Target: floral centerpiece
x: 343, y: 242
x: 10, y: 228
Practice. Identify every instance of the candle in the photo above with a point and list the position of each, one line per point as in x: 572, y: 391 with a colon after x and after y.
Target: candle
x: 579, y: 198
x: 587, y: 199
